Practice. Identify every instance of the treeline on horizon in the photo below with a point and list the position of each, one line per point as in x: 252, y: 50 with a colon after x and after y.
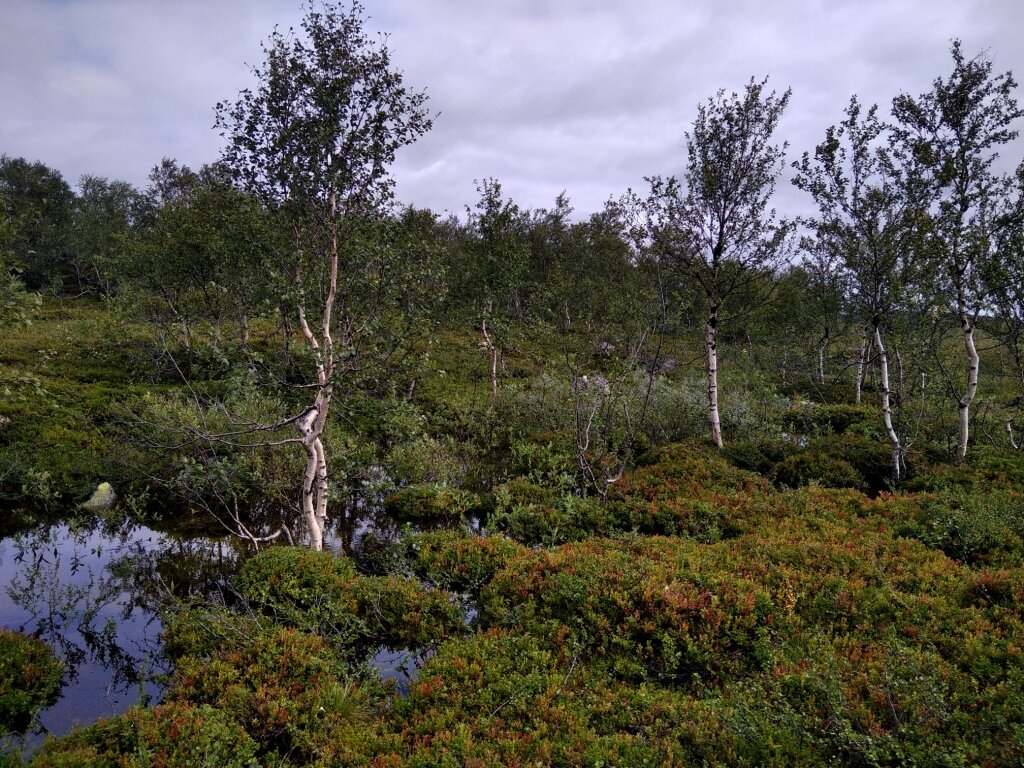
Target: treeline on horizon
x: 916, y: 247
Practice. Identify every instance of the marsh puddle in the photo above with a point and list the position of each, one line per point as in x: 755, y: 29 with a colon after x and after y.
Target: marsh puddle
x: 93, y: 593
x: 94, y: 590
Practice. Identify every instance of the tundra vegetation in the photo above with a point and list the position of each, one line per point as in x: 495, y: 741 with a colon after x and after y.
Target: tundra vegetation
x: 681, y: 481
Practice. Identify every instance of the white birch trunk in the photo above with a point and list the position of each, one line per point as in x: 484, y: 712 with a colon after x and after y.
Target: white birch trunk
x: 316, y: 538
x: 894, y: 439
x: 712, y: 349
x: 862, y: 355
x: 964, y: 406
x: 1009, y: 433
x: 822, y: 354
x: 313, y: 422
x: 492, y: 351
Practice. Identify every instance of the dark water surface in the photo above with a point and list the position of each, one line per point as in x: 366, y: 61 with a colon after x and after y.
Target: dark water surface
x: 93, y: 593
x: 93, y: 590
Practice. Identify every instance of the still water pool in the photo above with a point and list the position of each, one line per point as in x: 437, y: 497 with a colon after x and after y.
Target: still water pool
x: 94, y: 591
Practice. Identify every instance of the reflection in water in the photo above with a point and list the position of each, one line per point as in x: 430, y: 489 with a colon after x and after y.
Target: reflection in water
x: 94, y: 592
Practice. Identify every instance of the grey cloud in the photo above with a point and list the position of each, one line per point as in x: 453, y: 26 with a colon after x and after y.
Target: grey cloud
x: 588, y: 96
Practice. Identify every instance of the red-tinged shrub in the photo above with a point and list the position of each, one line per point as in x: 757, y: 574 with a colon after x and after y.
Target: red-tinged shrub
x: 172, y: 735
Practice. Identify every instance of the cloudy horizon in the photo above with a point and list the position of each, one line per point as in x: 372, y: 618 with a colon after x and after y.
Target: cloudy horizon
x: 585, y: 96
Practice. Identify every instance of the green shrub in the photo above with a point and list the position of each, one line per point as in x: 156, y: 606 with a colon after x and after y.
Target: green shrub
x: 460, y: 563
x: 761, y: 456
x: 637, y: 605
x: 817, y: 467
x: 319, y: 592
x: 969, y: 526
x: 30, y: 679
x: 984, y: 470
x: 426, y: 459
x: 814, y: 419
x: 538, y: 516
x: 838, y: 461
x: 430, y: 502
x: 506, y: 699
x: 174, y: 735
x: 686, y: 489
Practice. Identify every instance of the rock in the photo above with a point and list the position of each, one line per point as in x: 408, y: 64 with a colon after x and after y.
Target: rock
x: 102, y: 498
x: 604, y: 349
x: 5, y: 422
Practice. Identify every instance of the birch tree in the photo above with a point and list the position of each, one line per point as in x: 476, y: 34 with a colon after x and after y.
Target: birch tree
x: 1004, y: 280
x: 714, y: 226
x: 866, y: 216
x: 952, y: 135
x: 314, y: 141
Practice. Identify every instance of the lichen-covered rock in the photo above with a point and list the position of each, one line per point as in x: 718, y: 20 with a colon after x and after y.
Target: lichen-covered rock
x: 102, y: 498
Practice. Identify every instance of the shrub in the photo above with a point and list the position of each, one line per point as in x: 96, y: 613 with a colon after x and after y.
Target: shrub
x: 838, y: 461
x: 817, y: 467
x: 30, y: 678
x: 686, y: 489
x: 636, y: 605
x: 539, y: 516
x: 430, y: 502
x: 814, y: 419
x: 174, y: 735
x: 762, y: 456
x: 425, y: 459
x: 322, y: 593
x: 503, y: 698
x: 460, y: 563
x: 968, y: 526
x: 985, y: 470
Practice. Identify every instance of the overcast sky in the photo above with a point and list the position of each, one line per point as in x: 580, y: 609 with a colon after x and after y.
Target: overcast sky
x: 586, y: 96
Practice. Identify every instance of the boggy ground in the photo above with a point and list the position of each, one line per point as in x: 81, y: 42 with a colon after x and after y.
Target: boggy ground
x: 704, y: 615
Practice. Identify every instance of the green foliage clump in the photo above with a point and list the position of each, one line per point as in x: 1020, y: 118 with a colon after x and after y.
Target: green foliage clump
x: 174, y: 735
x: 761, y: 456
x: 844, y: 460
x: 503, y: 698
x: 638, y: 605
x: 986, y: 469
x: 816, y: 419
x: 430, y: 501
x: 30, y: 679
x: 454, y: 561
x: 687, y: 489
x: 321, y: 593
x: 967, y: 527
x: 540, y: 516
x: 816, y: 466
x: 287, y: 689
x: 426, y: 459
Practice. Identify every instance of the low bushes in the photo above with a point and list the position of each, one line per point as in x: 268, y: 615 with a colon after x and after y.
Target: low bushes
x: 539, y: 516
x: 846, y: 460
x: 815, y: 419
x: 967, y: 526
x: 430, y: 501
x: 686, y: 490
x: 639, y: 606
x: 30, y: 678
x: 169, y: 735
x: 806, y: 626
x: 319, y: 592
x: 454, y: 561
